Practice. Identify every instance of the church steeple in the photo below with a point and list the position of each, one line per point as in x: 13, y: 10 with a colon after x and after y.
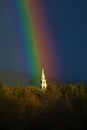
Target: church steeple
x: 43, y: 83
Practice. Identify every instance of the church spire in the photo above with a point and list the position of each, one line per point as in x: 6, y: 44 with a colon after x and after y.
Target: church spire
x: 43, y: 83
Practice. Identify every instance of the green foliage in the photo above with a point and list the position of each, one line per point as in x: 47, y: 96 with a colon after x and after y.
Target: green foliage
x: 57, y: 108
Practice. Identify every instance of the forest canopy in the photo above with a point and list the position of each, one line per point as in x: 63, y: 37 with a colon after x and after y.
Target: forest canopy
x: 30, y: 108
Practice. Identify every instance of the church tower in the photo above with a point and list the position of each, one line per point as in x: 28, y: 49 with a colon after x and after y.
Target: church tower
x: 43, y: 84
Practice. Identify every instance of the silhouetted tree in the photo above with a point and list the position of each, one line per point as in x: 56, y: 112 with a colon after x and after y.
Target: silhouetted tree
x: 30, y: 83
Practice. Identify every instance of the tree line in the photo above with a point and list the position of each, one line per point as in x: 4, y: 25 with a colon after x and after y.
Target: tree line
x: 30, y: 108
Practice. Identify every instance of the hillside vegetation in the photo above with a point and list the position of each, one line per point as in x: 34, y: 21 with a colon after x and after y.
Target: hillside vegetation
x: 57, y: 108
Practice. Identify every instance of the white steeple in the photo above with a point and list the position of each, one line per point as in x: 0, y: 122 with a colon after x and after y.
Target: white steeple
x: 43, y: 83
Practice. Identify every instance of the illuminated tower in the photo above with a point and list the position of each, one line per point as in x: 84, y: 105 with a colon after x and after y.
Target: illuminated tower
x: 43, y: 83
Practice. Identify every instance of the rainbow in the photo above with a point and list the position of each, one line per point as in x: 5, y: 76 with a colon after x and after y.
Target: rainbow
x: 32, y: 35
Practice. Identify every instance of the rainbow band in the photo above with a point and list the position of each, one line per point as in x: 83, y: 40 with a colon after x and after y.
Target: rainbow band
x: 32, y: 36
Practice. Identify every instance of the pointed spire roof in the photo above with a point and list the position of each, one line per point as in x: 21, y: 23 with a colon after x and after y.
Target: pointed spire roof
x: 42, y: 75
x: 42, y: 70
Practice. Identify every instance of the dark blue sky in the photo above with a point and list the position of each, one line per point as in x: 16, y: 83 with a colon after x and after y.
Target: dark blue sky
x: 68, y: 21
